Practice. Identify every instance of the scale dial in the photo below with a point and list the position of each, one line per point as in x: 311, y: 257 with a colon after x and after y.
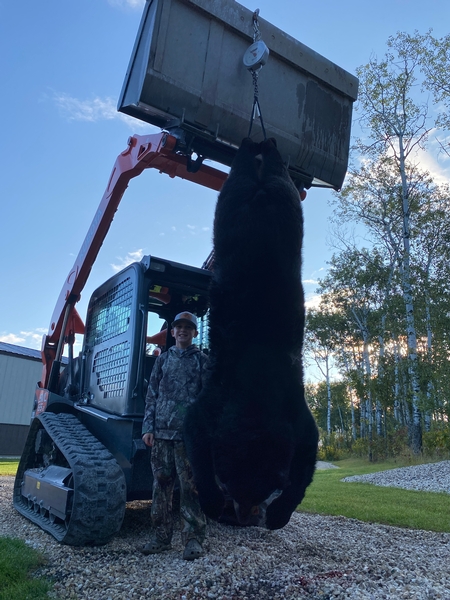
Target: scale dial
x: 256, y: 56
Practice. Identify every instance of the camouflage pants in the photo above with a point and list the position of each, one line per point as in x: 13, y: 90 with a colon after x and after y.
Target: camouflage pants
x: 168, y: 460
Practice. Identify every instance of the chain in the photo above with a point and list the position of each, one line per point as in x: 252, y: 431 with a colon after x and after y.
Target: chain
x: 255, y: 83
x: 256, y: 32
x: 256, y: 110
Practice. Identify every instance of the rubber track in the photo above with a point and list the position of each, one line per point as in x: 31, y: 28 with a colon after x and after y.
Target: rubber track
x: 99, y: 497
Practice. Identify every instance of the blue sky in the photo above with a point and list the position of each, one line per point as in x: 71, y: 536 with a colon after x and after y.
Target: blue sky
x: 62, y: 68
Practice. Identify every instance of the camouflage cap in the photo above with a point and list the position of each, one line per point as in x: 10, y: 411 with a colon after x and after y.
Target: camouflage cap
x: 185, y: 316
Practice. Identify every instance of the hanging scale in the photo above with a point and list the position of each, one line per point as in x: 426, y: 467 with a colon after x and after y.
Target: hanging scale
x: 254, y: 59
x: 257, y: 54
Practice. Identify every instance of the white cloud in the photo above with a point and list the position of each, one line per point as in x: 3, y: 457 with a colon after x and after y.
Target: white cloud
x: 35, y: 334
x: 436, y: 162
x: 312, y: 301
x: 97, y: 109
x: 28, y: 339
x: 195, y: 229
x: 128, y: 3
x: 131, y: 257
x: 11, y: 338
x: 310, y: 282
x: 33, y: 340
x: 432, y: 158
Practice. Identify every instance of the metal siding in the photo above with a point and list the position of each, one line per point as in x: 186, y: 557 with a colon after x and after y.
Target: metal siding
x: 12, y: 439
x: 18, y: 378
x: 19, y: 350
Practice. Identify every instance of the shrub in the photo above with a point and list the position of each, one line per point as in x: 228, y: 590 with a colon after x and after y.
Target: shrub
x: 332, y: 447
x: 360, y: 448
x: 437, y: 441
x: 380, y: 447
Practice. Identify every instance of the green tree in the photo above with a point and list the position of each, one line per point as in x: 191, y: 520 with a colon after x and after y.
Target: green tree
x: 317, y: 397
x: 396, y: 127
x: 322, y: 329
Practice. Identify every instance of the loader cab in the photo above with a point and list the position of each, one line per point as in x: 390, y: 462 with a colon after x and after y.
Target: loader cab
x: 128, y: 324
x: 128, y: 318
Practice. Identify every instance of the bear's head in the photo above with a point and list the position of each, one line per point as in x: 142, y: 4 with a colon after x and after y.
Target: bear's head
x: 253, y: 471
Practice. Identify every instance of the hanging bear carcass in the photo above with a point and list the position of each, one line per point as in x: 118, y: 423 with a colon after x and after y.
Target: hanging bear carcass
x: 250, y: 435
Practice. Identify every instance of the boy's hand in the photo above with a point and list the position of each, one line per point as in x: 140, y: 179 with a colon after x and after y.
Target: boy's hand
x: 148, y: 439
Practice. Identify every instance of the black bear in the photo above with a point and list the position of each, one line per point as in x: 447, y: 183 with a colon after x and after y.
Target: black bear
x: 250, y: 435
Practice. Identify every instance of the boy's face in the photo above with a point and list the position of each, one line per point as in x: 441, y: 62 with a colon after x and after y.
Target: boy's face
x: 184, y: 333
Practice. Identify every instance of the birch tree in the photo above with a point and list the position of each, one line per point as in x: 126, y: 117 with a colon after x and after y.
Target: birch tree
x: 396, y: 127
x: 317, y: 397
x: 351, y: 288
x: 432, y: 233
x: 321, y: 329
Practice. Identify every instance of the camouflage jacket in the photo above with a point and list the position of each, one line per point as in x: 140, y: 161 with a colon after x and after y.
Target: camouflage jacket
x: 175, y: 382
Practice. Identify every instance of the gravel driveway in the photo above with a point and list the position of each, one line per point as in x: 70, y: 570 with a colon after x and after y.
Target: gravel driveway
x: 313, y: 557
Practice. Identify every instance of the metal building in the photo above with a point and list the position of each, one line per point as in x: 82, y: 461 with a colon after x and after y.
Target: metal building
x: 20, y: 370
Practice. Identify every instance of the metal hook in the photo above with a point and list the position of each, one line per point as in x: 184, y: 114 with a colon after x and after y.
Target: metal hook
x: 256, y: 32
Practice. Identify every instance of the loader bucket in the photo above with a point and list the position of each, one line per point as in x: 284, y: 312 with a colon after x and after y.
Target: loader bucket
x: 186, y: 73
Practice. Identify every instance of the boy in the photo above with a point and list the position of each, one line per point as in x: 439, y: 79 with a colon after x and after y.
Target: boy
x: 175, y: 382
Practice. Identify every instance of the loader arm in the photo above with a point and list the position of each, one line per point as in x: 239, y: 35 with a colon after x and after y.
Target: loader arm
x: 157, y: 151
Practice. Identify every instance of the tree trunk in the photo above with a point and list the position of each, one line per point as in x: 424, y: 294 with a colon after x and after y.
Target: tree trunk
x: 328, y: 397
x: 416, y: 425
x: 430, y: 402
x: 352, y: 409
x: 397, y: 406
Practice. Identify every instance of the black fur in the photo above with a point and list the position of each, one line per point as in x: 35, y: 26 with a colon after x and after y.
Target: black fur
x: 251, y: 427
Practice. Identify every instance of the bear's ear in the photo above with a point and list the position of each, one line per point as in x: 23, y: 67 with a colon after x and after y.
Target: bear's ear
x: 247, y: 143
x: 251, y: 146
x: 268, y: 145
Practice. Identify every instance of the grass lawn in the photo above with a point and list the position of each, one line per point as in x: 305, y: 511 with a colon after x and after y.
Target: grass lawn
x: 328, y: 495
x: 17, y: 562
x: 8, y: 466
